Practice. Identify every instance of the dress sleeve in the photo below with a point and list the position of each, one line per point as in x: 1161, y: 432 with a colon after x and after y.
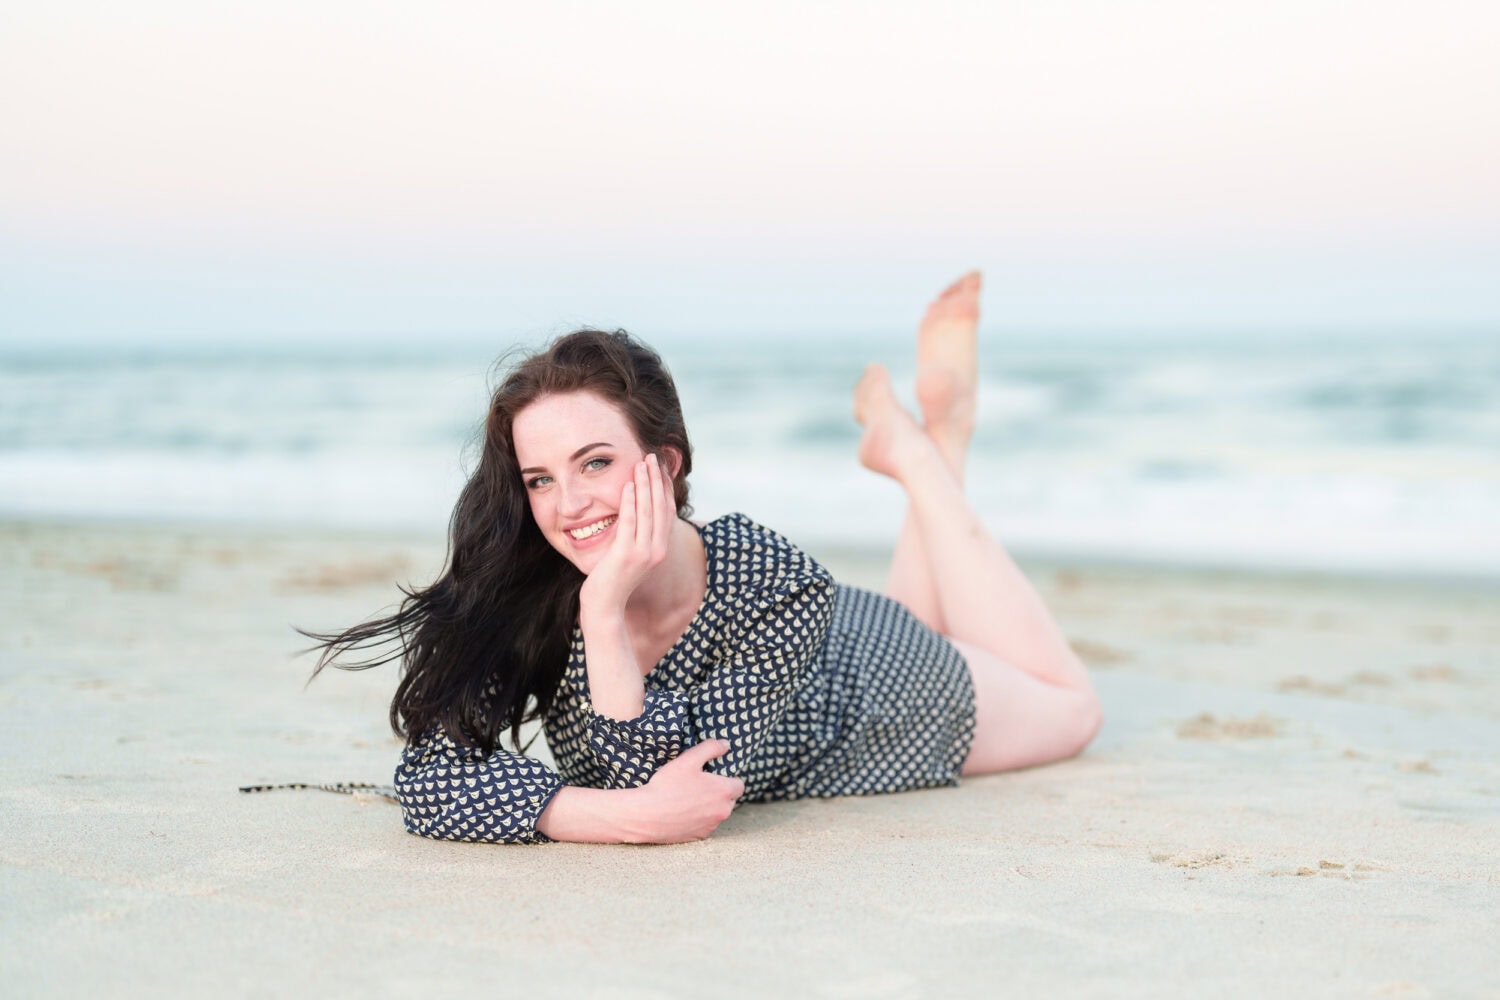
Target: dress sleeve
x: 769, y: 647
x: 628, y: 752
x: 453, y: 792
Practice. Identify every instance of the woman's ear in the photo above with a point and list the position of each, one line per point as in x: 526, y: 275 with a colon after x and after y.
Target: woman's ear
x: 671, y: 460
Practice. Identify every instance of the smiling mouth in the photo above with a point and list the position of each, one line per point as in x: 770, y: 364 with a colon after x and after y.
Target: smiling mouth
x: 590, y: 530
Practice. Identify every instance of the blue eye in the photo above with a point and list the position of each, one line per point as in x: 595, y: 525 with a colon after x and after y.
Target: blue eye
x: 538, y: 482
x: 595, y: 464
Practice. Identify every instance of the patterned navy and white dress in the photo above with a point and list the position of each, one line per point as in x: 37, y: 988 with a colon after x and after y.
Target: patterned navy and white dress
x: 820, y: 689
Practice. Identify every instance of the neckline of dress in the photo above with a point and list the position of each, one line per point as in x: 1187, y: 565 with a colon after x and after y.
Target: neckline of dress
x: 708, y: 534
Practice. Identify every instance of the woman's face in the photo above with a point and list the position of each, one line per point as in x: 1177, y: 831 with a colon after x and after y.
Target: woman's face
x: 576, y: 452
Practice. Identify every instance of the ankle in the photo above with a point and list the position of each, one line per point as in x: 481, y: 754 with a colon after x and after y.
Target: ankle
x: 919, y: 457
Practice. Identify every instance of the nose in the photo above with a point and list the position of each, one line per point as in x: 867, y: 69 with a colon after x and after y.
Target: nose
x: 573, y: 498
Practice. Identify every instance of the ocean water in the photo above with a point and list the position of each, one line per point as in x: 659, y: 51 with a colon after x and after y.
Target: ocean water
x: 1375, y: 456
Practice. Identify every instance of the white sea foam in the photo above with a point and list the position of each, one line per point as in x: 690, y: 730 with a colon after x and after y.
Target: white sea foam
x: 1386, y: 459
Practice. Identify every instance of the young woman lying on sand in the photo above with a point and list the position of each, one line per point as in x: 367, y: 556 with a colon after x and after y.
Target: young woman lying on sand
x: 679, y: 669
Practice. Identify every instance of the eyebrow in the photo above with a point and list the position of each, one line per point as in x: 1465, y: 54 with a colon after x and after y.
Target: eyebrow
x: 572, y: 458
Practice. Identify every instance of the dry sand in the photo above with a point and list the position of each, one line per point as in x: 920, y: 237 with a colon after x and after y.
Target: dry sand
x: 1297, y: 792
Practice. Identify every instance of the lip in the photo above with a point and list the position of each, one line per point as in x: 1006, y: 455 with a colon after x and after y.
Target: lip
x: 594, y: 539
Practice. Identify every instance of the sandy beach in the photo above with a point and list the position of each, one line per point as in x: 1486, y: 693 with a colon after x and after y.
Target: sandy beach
x: 1297, y: 792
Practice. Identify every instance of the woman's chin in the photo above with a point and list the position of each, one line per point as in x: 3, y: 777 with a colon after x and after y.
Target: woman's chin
x: 587, y: 557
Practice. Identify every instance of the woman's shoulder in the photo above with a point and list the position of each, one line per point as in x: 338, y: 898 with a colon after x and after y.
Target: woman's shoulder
x: 743, y: 554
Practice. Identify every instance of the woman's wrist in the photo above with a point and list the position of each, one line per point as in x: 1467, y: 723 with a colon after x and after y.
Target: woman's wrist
x: 602, y: 620
x: 600, y: 604
x: 593, y: 816
x: 615, y: 684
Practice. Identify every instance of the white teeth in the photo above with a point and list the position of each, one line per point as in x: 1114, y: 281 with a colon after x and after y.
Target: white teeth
x: 591, y: 530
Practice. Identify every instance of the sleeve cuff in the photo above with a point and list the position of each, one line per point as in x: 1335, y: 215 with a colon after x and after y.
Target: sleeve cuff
x: 630, y: 752
x: 537, y: 836
x: 448, y: 793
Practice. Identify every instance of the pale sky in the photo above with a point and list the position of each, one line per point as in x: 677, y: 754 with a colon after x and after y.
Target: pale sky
x: 176, y: 172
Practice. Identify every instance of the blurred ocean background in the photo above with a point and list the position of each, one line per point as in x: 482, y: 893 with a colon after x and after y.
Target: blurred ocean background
x: 1344, y: 454
x: 1266, y: 247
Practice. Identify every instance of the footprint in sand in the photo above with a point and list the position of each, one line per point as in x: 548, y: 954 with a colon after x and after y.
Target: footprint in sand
x: 1206, y: 726
x: 1197, y: 859
x: 1304, y: 683
x: 1371, y: 678
x: 1329, y: 869
x: 1417, y: 767
x: 341, y: 576
x: 1098, y: 654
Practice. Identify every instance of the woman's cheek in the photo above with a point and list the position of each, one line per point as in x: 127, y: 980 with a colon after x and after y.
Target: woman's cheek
x: 538, y: 507
x: 619, y: 492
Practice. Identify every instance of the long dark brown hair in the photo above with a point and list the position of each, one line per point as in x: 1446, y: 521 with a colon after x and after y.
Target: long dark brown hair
x: 483, y: 648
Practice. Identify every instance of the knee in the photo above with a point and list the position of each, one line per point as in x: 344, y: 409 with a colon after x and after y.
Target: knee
x: 1088, y: 719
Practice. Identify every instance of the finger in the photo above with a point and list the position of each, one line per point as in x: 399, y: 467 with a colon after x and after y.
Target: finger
x: 701, y: 753
x: 626, y: 513
x: 660, y: 508
x: 643, y: 521
x: 662, y: 497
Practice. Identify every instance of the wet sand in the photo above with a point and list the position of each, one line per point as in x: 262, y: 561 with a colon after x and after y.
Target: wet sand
x: 1297, y: 791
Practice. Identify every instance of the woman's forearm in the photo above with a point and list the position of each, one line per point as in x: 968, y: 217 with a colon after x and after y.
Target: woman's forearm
x: 681, y: 802
x: 592, y: 816
x: 616, y: 686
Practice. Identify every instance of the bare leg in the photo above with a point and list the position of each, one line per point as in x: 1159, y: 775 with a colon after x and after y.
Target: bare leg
x: 947, y: 374
x: 1034, y: 701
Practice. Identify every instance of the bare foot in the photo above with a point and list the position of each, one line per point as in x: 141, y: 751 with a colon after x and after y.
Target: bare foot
x: 948, y: 369
x: 890, y: 432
